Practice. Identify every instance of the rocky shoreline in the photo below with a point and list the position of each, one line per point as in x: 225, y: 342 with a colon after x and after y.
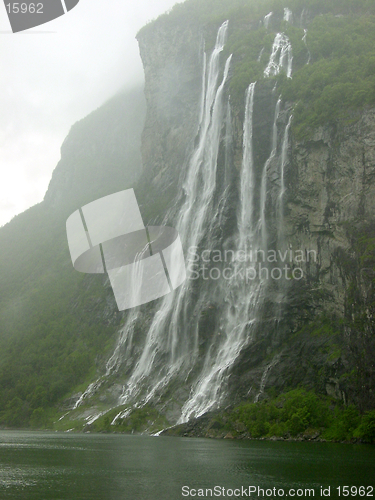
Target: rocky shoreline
x: 207, y: 426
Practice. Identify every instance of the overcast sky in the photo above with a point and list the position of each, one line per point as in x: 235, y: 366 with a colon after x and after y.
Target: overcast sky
x: 54, y: 75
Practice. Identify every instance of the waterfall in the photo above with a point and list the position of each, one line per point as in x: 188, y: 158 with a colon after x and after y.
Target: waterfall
x: 203, y: 92
x: 303, y: 18
x: 228, y: 145
x: 247, y: 177
x: 262, y: 383
x: 284, y: 156
x: 281, y: 57
x: 288, y: 15
x: 263, y: 189
x: 241, y: 298
x: 266, y: 19
x: 168, y: 331
x: 304, y: 39
x: 125, y: 339
x: 263, y: 380
x: 283, y: 161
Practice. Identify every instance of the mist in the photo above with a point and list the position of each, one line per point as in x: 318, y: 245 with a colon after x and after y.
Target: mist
x: 54, y: 75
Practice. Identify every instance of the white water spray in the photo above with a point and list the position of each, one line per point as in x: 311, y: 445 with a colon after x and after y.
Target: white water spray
x: 288, y: 15
x: 281, y: 57
x: 263, y: 189
x: 265, y: 374
x: 304, y: 39
x: 167, y: 333
x: 266, y: 19
x: 242, y: 299
x: 247, y: 177
x: 283, y: 162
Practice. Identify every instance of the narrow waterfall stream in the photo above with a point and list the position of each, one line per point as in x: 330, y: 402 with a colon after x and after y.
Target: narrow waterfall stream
x: 281, y: 57
x: 262, y: 224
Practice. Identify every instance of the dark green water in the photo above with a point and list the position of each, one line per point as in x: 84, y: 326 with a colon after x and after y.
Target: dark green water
x: 116, y: 467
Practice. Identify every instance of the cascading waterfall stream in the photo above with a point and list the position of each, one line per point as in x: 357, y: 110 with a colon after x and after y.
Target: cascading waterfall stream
x: 247, y: 178
x: 280, y: 201
x: 166, y: 333
x: 240, y: 298
x: 125, y: 338
x: 265, y: 374
x: 203, y: 92
x: 281, y: 57
x: 288, y: 15
x: 206, y: 393
x: 266, y: 19
x: 228, y: 145
x: 196, y: 212
x: 304, y: 39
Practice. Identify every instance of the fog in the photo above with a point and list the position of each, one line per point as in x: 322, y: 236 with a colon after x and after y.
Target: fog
x: 54, y: 75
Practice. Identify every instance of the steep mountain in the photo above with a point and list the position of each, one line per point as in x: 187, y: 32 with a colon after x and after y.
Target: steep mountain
x: 57, y: 323
x: 258, y: 147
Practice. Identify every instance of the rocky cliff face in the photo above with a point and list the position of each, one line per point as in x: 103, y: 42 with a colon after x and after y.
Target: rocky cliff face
x: 329, y: 218
x: 172, y: 62
x: 331, y: 179
x: 328, y: 206
x: 101, y: 153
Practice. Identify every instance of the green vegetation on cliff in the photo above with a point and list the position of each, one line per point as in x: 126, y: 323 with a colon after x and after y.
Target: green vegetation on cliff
x: 295, y: 414
x: 301, y: 412
x: 339, y: 45
x: 56, y: 324
x: 341, y: 76
x: 245, y: 11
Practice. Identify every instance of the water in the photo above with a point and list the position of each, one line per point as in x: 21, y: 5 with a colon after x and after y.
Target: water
x: 288, y: 15
x: 247, y: 186
x: 304, y: 39
x: 52, y: 466
x: 167, y: 333
x: 281, y: 57
x: 240, y: 300
x: 283, y: 161
x: 263, y: 380
x: 266, y: 19
x: 264, y: 187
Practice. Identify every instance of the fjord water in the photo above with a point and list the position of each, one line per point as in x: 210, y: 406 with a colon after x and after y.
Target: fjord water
x: 44, y: 466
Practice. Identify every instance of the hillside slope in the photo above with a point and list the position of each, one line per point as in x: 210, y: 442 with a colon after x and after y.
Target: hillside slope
x: 55, y: 323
